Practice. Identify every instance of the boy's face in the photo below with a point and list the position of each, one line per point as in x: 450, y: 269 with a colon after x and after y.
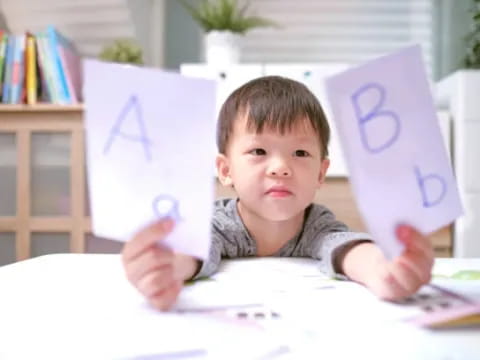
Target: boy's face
x: 274, y: 175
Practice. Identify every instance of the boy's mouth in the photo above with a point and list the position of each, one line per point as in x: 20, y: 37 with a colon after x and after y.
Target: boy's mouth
x: 278, y: 191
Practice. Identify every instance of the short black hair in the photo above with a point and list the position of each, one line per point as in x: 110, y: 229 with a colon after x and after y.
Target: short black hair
x: 274, y: 102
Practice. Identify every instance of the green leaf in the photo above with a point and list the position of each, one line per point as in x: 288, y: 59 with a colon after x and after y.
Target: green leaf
x: 122, y: 51
x: 224, y: 15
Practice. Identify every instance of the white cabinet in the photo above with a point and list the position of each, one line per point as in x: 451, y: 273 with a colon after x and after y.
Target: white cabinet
x: 459, y: 94
x: 43, y: 202
x: 228, y: 78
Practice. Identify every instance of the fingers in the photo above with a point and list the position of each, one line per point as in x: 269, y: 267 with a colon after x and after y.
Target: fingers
x: 151, y: 268
x: 402, y: 277
x: 421, y: 266
x: 145, y: 238
x: 386, y: 286
x: 408, y: 281
x: 155, y: 281
x: 165, y: 299
x: 392, y: 291
x: 414, y: 241
x: 152, y: 259
x: 418, y: 255
x: 152, y: 273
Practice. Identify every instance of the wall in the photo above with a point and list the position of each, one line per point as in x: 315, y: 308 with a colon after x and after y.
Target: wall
x: 148, y: 17
x: 453, y: 23
x: 183, y: 37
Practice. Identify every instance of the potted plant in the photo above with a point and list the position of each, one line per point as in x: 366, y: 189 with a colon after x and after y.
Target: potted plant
x: 224, y: 23
x: 125, y: 51
x: 472, y: 58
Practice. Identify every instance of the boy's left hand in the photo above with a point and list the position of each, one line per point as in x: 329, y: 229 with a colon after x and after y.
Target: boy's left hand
x: 401, y: 277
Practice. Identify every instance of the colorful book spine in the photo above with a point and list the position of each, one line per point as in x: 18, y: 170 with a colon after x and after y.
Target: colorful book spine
x: 57, y: 67
x: 18, y: 72
x: 40, y: 67
x: 8, y: 70
x: 31, y: 71
x: 71, y: 65
x: 46, y: 66
x: 3, y: 53
x: 45, y: 93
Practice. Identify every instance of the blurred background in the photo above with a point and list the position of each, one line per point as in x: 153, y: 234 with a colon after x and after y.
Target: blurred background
x: 345, y: 31
x: 44, y: 206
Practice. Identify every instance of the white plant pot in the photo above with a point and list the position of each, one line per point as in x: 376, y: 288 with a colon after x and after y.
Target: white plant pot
x: 222, y: 48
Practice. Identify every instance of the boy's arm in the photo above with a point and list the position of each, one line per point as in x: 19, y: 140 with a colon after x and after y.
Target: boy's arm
x: 327, y: 239
x: 211, y: 264
x: 403, y: 276
x: 186, y: 266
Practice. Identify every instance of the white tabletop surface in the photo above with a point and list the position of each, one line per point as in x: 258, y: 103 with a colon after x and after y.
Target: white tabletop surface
x: 80, y: 306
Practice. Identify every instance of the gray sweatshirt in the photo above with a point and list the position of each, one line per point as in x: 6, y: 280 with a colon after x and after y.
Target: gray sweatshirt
x: 321, y: 237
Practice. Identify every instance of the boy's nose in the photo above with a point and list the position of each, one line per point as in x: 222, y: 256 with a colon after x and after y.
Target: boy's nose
x: 280, y: 173
x: 280, y: 169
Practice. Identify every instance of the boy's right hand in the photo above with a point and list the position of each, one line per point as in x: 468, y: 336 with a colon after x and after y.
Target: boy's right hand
x: 157, y: 272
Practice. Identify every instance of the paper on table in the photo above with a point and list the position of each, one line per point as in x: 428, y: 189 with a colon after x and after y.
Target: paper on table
x: 149, y: 153
x: 393, y: 147
x: 252, y: 282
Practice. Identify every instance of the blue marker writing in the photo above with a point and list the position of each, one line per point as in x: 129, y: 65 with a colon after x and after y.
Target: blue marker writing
x: 132, y: 105
x: 166, y: 206
x: 376, y: 113
x: 432, y: 179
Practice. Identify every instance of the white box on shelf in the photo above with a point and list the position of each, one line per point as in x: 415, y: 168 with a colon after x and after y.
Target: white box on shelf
x: 228, y: 78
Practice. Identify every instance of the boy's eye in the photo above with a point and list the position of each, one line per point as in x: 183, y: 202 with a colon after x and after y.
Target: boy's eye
x: 301, y: 153
x: 258, y: 152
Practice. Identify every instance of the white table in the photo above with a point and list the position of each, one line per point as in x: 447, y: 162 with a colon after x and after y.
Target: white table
x: 79, y: 306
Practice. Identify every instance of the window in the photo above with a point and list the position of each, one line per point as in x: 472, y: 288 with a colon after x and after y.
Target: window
x: 339, y: 31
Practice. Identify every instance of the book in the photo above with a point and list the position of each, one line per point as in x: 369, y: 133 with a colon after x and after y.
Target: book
x: 46, y: 68
x: 18, y: 72
x: 31, y: 71
x: 71, y: 66
x: 58, y: 72
x: 8, y: 69
x: 3, y: 51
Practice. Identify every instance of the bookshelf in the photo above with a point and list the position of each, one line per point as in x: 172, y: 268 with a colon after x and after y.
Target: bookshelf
x: 43, y: 195
x: 42, y: 153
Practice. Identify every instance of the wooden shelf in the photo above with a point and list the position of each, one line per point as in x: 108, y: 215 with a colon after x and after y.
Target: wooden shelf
x: 40, y: 108
x: 23, y: 122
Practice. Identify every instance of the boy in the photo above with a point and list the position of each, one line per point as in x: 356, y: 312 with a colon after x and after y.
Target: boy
x: 272, y: 138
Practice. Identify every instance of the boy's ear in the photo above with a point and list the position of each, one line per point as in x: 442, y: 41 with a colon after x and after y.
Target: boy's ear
x: 323, y: 171
x: 223, y: 170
